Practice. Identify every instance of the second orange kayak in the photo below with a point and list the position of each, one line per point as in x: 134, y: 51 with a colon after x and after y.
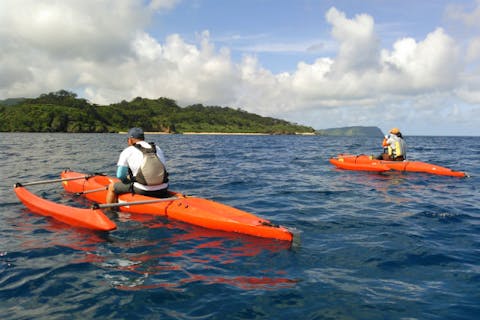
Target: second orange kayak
x: 366, y: 162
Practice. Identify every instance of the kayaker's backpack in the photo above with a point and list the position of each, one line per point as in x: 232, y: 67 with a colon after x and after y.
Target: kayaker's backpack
x: 152, y: 171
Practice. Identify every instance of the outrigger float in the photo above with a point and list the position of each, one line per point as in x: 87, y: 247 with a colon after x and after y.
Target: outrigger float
x: 369, y: 163
x: 86, y: 218
x: 194, y: 210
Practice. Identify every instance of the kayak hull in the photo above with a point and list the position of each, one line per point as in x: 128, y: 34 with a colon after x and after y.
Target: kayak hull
x: 193, y: 210
x: 359, y: 162
x: 347, y: 165
x: 84, y: 218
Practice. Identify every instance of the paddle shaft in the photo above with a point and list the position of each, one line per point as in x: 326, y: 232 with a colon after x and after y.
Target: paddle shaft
x: 33, y: 183
x: 123, y: 204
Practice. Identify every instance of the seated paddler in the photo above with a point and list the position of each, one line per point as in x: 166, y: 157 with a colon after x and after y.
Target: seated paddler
x: 140, y: 168
x: 395, y: 148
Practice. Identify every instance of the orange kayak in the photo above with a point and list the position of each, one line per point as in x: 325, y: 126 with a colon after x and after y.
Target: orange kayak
x: 85, y: 218
x: 375, y: 166
x: 363, y: 162
x: 197, y: 211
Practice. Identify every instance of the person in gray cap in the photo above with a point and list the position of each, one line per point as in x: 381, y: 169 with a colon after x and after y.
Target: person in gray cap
x: 141, y: 169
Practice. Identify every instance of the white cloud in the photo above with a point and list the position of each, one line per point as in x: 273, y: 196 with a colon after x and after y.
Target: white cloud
x: 163, y: 4
x: 101, y: 50
x: 48, y: 42
x: 473, y: 51
x: 429, y: 64
x: 465, y: 14
x: 72, y: 29
x: 359, y: 46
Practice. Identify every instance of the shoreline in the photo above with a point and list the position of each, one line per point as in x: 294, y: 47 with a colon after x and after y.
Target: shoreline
x: 228, y: 133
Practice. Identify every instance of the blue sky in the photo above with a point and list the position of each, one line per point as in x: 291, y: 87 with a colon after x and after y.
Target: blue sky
x: 281, y: 32
x: 386, y: 63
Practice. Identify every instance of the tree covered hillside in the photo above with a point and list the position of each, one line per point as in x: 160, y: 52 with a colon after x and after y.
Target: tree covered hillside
x: 356, y: 131
x: 63, y: 111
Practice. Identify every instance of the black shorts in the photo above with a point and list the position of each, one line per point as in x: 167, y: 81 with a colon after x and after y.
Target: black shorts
x: 121, y: 188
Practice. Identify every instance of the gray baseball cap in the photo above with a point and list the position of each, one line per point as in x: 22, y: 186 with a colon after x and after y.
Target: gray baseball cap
x: 136, y: 133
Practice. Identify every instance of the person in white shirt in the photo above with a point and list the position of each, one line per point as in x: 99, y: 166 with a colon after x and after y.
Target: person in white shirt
x: 136, y: 174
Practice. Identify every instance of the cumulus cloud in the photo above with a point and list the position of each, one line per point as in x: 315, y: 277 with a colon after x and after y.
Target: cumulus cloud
x: 468, y: 89
x: 464, y: 13
x: 163, y: 4
x: 359, y: 46
x: 101, y: 50
x: 50, y: 42
x: 71, y: 29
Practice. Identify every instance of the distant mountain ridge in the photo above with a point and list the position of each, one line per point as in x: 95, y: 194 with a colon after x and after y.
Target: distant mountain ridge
x: 358, y: 131
x: 12, y: 101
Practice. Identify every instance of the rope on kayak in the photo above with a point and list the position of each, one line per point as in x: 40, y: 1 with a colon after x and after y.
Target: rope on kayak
x: 91, y: 191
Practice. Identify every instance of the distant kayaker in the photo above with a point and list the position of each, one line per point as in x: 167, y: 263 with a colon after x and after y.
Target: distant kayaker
x: 395, y: 148
x: 141, y: 169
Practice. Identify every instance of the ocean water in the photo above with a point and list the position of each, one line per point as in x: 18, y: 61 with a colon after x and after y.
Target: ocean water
x: 367, y: 246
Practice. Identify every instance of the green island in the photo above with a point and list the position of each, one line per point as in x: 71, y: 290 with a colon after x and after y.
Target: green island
x: 357, y: 131
x: 63, y: 111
